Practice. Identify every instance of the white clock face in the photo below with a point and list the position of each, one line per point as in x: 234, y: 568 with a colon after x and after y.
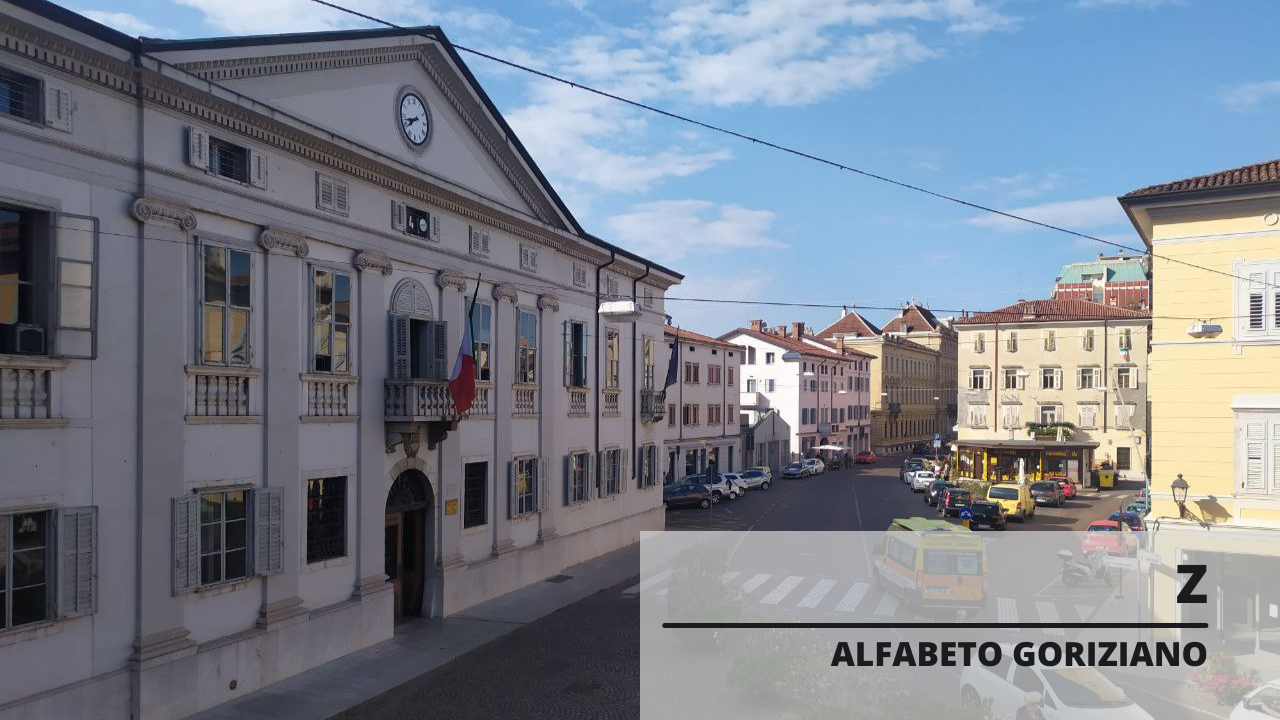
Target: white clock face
x: 413, y: 119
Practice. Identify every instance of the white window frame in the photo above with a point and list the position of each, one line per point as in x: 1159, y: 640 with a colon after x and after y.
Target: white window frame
x: 978, y: 416
x: 483, y: 338
x: 1087, y: 340
x: 1088, y: 377
x: 578, y: 482
x: 332, y: 325
x: 1087, y: 415
x: 1054, y: 408
x: 1055, y: 376
x: 527, y: 355
x: 522, y: 504
x: 225, y: 307
x: 1050, y: 340
x: 1011, y: 416
x: 1019, y: 382
x: 1257, y: 452
x: 1127, y: 377
x: 1258, y: 300
x: 1011, y: 341
x: 979, y: 378
x: 1124, y: 413
x: 612, y: 359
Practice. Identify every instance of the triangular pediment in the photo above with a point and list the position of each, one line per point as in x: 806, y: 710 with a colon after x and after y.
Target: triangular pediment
x: 353, y: 84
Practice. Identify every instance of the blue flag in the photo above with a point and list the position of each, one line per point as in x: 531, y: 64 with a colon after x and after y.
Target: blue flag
x: 673, y: 366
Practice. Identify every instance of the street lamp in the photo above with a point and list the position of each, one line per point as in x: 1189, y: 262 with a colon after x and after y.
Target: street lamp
x: 1179, y: 488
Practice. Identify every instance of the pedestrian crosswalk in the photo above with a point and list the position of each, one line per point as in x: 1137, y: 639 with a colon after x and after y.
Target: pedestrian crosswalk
x: 853, y: 599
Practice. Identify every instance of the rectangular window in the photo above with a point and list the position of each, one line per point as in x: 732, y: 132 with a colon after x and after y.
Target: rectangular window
x: 475, y: 492
x: 20, y: 95
x: 524, y: 486
x: 1050, y: 414
x: 526, y: 347
x: 977, y: 416
x: 713, y: 374
x: 226, y: 304
x: 1011, y: 416
x: 1011, y: 343
x: 331, y: 322
x: 332, y: 194
x: 729, y: 418
x: 612, y: 484
x: 579, y: 477
x: 224, y: 536
x: 649, y: 367
x: 326, y: 518
x: 579, y: 275
x: 1088, y: 340
x: 979, y: 379
x: 1124, y: 416
x: 576, y: 353
x: 713, y: 414
x: 24, y: 291
x: 671, y: 415
x: 1050, y: 378
x: 612, y: 359
x: 1050, y: 340
x: 1088, y: 377
x: 1127, y: 377
x: 980, y: 343
x: 482, y: 337
x: 1088, y: 416
x: 751, y: 385
x: 769, y: 385
x: 1014, y: 380
x: 228, y: 160
x: 1126, y: 339
x: 528, y: 258
x: 478, y: 241
x: 690, y: 414
x: 26, y: 566
x: 768, y: 358
x: 751, y: 356
x: 649, y: 466
x: 729, y: 381
x: 691, y: 373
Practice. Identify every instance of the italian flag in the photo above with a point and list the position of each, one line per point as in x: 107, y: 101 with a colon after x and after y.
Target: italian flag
x: 462, y: 381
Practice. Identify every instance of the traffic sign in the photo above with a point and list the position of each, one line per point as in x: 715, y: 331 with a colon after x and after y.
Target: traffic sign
x: 966, y: 514
x: 937, y: 437
x: 1147, y: 556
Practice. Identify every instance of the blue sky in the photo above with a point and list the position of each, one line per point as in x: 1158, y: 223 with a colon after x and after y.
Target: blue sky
x: 1048, y: 108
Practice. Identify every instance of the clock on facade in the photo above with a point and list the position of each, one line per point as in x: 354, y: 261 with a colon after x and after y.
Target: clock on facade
x: 414, y: 121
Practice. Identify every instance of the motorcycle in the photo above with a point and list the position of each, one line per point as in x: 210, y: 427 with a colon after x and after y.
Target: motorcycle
x: 1074, y: 572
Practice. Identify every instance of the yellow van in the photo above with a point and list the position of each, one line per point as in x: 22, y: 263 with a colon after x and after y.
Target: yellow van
x: 1015, y: 498
x: 933, y: 564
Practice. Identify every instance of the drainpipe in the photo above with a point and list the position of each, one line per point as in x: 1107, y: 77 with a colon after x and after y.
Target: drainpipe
x: 138, y: 409
x: 636, y: 461
x: 613, y: 256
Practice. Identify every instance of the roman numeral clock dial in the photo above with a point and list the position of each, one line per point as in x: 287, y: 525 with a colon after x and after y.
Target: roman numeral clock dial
x: 414, y: 122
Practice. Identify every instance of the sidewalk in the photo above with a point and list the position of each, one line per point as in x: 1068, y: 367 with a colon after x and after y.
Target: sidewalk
x: 420, y: 646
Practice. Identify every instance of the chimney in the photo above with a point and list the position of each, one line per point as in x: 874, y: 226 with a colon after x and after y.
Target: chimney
x: 844, y: 311
x: 797, y: 329
x: 840, y: 343
x: 1099, y: 256
x: 757, y: 325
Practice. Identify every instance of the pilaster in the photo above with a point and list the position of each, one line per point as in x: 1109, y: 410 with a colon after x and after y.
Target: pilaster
x: 504, y: 329
x: 453, y: 299
x: 371, y: 483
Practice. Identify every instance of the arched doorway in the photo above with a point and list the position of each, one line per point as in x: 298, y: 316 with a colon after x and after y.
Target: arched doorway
x: 409, y: 535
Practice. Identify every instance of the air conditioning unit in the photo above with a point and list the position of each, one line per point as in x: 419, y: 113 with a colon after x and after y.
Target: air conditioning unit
x: 28, y: 339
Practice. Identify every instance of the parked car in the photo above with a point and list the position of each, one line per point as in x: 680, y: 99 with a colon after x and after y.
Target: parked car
x: 866, y: 457
x: 909, y: 467
x: 796, y: 470
x: 686, y: 495
x: 1073, y: 693
x: 1259, y: 704
x: 738, y: 482
x: 1139, y: 508
x: 1110, y: 537
x: 921, y: 480
x: 985, y: 513
x: 953, y: 500
x: 1047, y: 492
x: 768, y: 472
x: 719, y: 486
x: 935, y: 490
x: 1069, y: 489
x: 1014, y: 498
x: 1130, y: 518
x: 816, y: 466
x: 757, y: 479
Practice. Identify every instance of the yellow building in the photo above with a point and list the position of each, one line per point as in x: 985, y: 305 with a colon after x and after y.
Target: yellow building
x: 1215, y: 395
x: 909, y: 401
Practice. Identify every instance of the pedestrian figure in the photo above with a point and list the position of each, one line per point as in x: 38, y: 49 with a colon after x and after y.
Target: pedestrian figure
x: 1030, y: 709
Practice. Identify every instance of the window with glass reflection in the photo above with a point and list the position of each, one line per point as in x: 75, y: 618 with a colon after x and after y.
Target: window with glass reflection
x: 331, y: 322
x: 25, y: 562
x: 225, y: 306
x: 482, y: 337
x: 224, y: 536
x: 526, y: 347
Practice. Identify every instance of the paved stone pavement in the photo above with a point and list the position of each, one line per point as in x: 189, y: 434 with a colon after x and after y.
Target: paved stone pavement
x: 582, y: 661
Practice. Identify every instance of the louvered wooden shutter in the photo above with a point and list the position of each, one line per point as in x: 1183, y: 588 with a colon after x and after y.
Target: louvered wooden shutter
x: 401, y: 368
x: 435, y: 226
x: 438, y: 354
x: 568, y: 478
x: 268, y: 509
x: 258, y: 169
x: 341, y: 193
x: 568, y: 353
x: 397, y: 216
x: 511, y: 488
x: 540, y: 488
x: 76, y: 273
x: 1256, y: 304
x: 186, y: 544
x: 197, y: 148
x: 624, y: 468
x: 57, y: 106
x: 324, y: 192
x: 1255, y: 456
x: 78, y: 562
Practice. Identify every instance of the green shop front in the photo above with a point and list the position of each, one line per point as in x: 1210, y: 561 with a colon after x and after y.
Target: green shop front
x: 998, y: 461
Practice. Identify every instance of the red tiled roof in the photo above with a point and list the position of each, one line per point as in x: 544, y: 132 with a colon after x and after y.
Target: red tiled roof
x: 836, y: 348
x: 787, y: 343
x: 1060, y: 309
x: 851, y: 324
x: 1257, y: 174
x: 914, y: 317
x: 692, y: 336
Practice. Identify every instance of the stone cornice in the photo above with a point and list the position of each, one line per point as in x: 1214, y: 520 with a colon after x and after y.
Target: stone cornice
x: 504, y: 291
x: 549, y: 302
x: 151, y: 210
x: 283, y: 241
x: 372, y: 261
x: 447, y: 278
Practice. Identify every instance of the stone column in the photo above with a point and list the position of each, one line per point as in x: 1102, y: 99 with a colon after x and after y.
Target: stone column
x: 165, y: 297
x: 504, y: 330
x: 285, y: 290
x: 370, y: 482
x: 453, y: 300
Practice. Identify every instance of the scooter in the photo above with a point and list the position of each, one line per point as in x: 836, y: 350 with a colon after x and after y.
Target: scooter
x: 1074, y: 571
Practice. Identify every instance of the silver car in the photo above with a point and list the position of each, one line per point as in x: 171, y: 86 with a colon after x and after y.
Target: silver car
x: 755, y: 478
x: 738, y: 482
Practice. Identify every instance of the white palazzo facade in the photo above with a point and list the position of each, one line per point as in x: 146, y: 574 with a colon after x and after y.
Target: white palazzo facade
x: 233, y: 280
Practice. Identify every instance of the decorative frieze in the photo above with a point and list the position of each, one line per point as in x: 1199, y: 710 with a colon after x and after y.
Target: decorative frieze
x: 276, y: 240
x: 372, y: 261
x: 151, y: 210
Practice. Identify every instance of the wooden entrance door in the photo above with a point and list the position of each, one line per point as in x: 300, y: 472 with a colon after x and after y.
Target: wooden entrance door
x: 405, y: 548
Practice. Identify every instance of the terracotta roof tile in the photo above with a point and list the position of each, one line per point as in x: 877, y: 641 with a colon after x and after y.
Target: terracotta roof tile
x: 1060, y: 309
x: 1256, y: 174
x: 851, y: 324
x: 915, y: 318
x: 692, y: 336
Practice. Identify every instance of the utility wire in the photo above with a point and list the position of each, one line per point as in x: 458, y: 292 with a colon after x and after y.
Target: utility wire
x: 780, y: 147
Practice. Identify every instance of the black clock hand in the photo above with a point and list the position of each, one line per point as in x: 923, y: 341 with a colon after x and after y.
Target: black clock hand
x: 410, y: 121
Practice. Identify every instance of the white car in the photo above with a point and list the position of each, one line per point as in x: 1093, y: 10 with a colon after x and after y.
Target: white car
x: 921, y: 479
x: 721, y: 488
x: 738, y: 482
x: 1070, y: 693
x: 757, y: 479
x: 1254, y: 705
x: 816, y: 466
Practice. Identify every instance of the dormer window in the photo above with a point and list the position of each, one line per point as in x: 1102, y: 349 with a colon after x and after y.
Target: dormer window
x: 19, y: 95
x: 228, y: 160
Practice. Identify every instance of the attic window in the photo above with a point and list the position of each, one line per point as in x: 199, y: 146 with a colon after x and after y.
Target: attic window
x: 713, y: 351
x: 228, y: 160
x: 19, y: 95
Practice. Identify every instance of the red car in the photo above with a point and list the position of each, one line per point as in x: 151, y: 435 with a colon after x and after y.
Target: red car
x: 866, y: 457
x: 1109, y: 537
x: 1068, y: 488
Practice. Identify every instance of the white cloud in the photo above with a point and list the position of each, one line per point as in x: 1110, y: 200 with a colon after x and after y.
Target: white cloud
x: 713, y: 318
x: 1243, y: 98
x: 669, y: 230
x: 1020, y: 186
x: 1070, y: 214
x: 128, y: 24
